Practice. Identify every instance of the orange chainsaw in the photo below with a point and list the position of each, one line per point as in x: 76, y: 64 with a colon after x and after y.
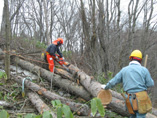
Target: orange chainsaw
x: 61, y: 61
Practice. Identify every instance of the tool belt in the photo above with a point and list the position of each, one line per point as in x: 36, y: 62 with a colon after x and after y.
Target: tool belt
x: 140, y: 102
x: 129, y: 106
x: 144, y: 102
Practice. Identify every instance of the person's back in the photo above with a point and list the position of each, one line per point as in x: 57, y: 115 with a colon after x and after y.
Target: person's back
x: 136, y: 78
x: 51, y: 49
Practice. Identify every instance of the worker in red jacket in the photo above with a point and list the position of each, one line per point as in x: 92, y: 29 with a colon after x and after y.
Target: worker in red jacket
x: 50, y: 53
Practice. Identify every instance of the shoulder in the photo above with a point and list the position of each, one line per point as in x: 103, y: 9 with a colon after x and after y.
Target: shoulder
x: 145, y: 69
x: 52, y: 45
x: 125, y: 68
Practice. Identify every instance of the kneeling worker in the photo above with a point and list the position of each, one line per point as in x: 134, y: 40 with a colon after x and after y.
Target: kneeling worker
x: 135, y: 79
x: 50, y: 53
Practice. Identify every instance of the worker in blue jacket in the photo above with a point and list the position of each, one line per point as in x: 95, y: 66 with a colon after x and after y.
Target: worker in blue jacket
x: 51, y: 53
x: 135, y: 79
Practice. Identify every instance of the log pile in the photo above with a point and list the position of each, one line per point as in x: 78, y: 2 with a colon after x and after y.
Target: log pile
x: 87, y: 89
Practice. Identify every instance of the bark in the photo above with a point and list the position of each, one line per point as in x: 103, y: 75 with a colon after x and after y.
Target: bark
x: 80, y: 109
x: 116, y: 105
x: 8, y: 37
x: 92, y: 86
x: 1, y: 54
x: 64, y: 74
x: 57, y: 80
x: 39, y: 104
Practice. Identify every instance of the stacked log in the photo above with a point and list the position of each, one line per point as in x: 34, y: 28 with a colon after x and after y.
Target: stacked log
x: 79, y: 108
x: 89, y: 85
x: 57, y: 80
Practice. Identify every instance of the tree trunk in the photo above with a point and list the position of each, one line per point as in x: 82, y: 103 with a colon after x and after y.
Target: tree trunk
x: 39, y: 104
x: 57, y: 80
x: 7, y: 36
x: 79, y: 108
x: 1, y: 54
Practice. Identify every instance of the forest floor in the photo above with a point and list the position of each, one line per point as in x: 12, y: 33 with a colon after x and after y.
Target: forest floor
x: 10, y: 91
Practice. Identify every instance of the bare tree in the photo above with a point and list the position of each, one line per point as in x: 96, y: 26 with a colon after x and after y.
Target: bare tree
x: 46, y: 21
x: 146, y: 24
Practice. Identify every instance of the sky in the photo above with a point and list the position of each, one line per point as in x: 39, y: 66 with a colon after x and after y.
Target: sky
x: 124, y: 4
x: 2, y: 4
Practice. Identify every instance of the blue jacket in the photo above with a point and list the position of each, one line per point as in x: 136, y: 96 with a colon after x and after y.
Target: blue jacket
x: 52, y: 49
x: 135, y: 78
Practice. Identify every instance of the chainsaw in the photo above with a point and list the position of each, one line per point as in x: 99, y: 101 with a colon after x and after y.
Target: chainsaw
x: 61, y: 61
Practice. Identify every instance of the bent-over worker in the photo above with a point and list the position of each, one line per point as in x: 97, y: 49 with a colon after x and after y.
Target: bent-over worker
x: 50, y: 53
x: 135, y: 79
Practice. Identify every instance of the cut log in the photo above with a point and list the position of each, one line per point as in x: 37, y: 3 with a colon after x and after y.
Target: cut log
x: 57, y: 80
x: 80, y: 109
x: 39, y: 104
x: 116, y: 105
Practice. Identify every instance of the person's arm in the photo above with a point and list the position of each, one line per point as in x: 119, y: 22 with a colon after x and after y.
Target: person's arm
x: 149, y: 80
x: 58, y: 51
x: 117, y: 79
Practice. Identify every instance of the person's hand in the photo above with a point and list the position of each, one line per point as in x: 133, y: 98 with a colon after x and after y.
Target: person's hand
x: 103, y: 86
x: 63, y: 58
x: 56, y: 57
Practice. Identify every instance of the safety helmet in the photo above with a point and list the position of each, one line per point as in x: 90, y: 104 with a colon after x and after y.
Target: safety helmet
x: 58, y: 41
x: 136, y: 53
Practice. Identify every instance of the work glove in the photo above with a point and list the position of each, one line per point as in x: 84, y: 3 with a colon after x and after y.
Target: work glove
x: 56, y: 57
x: 63, y: 58
x: 103, y: 86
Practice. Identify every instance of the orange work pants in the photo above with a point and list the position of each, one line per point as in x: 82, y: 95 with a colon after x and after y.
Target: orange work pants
x: 50, y: 61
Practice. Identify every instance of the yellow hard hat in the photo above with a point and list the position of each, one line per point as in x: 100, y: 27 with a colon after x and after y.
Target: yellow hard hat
x: 136, y: 53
